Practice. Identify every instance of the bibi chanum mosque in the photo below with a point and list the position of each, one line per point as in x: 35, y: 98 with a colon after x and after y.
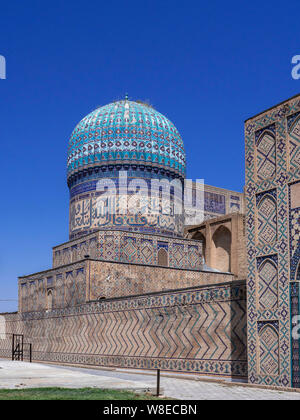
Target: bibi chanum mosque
x: 158, y: 289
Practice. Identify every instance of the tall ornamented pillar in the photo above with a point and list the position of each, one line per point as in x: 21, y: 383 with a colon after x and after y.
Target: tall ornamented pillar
x: 234, y: 244
x: 272, y: 145
x: 208, y: 250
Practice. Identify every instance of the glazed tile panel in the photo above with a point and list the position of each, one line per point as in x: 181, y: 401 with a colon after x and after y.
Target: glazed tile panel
x: 295, y: 340
x: 272, y: 204
x: 90, y: 212
x: 131, y: 137
x: 126, y: 132
x: 122, y: 246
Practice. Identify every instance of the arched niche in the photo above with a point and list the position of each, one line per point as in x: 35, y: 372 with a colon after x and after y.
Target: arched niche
x: 200, y: 237
x: 294, y: 146
x: 269, y: 351
x: 49, y: 300
x: 266, y: 156
x: 298, y: 272
x: 268, y: 285
x: 163, y: 258
x: 267, y: 219
x: 221, y: 249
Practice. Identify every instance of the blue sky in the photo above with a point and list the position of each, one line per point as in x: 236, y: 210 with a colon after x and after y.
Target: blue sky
x: 207, y: 66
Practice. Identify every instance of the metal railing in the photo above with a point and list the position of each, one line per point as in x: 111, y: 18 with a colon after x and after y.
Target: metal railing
x: 14, y: 347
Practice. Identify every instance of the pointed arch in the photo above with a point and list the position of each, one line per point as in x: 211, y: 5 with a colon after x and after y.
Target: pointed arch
x: 49, y: 300
x: 269, y: 351
x: 268, y: 285
x: 200, y: 237
x: 266, y: 155
x: 221, y: 249
x: 298, y: 272
x: 163, y: 257
x: 295, y: 126
x: 267, y: 219
x: 267, y: 195
x: 294, y: 145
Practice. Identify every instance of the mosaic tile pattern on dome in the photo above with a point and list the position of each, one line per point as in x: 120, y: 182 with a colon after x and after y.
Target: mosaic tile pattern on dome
x: 123, y: 136
x: 126, y: 132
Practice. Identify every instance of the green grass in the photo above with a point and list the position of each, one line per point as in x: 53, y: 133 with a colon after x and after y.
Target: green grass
x: 71, y: 394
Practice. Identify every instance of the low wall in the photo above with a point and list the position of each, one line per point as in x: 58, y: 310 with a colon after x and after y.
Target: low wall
x: 200, y: 329
x: 86, y: 280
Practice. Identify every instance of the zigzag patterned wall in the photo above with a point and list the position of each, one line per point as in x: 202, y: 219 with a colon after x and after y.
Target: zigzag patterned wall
x: 201, y: 330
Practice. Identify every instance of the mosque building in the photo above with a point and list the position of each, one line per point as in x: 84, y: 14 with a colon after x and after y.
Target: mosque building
x: 143, y: 284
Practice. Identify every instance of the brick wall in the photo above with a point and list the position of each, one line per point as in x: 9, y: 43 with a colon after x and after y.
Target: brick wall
x: 114, y: 279
x: 201, y: 329
x: 224, y: 243
x: 86, y: 280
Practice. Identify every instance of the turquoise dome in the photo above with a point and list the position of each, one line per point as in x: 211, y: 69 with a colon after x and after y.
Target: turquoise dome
x: 129, y: 133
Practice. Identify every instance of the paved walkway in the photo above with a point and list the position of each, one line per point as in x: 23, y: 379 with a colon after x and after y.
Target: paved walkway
x: 37, y: 375
x: 21, y: 375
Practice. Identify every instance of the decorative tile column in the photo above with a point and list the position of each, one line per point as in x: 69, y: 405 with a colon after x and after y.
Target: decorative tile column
x: 272, y: 143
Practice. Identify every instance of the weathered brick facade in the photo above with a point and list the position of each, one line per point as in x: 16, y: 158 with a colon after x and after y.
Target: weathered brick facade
x: 224, y: 243
x: 87, y: 280
x: 201, y: 329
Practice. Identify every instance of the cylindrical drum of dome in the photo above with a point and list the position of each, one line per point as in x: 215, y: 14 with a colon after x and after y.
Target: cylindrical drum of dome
x: 126, y: 169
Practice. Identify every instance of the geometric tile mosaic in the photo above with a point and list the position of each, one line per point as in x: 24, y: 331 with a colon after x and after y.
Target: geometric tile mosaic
x: 266, y: 155
x: 126, y: 132
x: 267, y: 219
x: 295, y: 242
x: 294, y: 145
x: 269, y: 351
x: 294, y: 221
x: 271, y: 146
x: 268, y: 284
x: 124, y: 136
x: 295, y: 311
x: 130, y: 247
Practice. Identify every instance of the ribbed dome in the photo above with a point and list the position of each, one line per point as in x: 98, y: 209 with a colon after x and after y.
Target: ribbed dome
x: 126, y: 132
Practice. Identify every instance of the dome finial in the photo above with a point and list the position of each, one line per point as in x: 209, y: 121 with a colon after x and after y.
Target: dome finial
x: 126, y: 97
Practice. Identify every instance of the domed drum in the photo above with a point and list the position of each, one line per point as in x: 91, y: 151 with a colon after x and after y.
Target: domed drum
x: 123, y: 158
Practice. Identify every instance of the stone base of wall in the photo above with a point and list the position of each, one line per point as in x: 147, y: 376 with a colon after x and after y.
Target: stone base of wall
x: 200, y: 329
